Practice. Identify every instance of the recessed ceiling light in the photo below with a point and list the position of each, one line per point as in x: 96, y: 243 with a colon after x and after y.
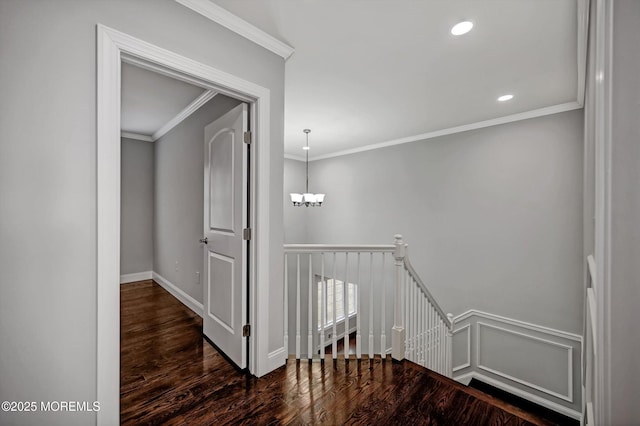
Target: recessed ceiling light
x: 505, y: 98
x: 461, y: 28
x: 306, y: 148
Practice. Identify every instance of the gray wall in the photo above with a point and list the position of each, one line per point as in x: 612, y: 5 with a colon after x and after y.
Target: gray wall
x: 136, y: 218
x: 625, y: 213
x: 48, y: 181
x: 179, y: 198
x: 493, y: 217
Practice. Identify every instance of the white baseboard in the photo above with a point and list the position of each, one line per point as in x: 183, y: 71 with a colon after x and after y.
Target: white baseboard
x: 138, y: 276
x: 276, y: 359
x: 466, y: 378
x: 179, y: 294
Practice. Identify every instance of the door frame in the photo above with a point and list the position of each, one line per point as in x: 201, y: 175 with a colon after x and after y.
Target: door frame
x: 113, y: 47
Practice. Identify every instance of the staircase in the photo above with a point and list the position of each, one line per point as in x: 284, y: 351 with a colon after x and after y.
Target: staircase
x: 370, y: 292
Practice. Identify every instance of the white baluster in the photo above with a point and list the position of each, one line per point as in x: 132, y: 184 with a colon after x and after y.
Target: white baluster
x: 450, y: 346
x: 358, y: 312
x: 407, y: 292
x: 323, y: 314
x: 286, y: 304
x: 371, y: 290
x: 412, y: 322
x: 440, y: 345
x: 298, y: 306
x: 345, y: 306
x: 431, y: 338
x: 383, y: 303
x: 310, y: 316
x: 421, y: 330
x: 334, y: 341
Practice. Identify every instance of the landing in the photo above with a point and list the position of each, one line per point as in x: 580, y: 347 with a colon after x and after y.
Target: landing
x: 171, y: 375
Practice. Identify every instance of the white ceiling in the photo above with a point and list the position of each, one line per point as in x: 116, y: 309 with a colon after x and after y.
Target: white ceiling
x: 372, y: 71
x: 368, y: 72
x: 150, y: 100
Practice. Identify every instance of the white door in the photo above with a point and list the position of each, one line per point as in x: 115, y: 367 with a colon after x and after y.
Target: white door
x: 225, y: 217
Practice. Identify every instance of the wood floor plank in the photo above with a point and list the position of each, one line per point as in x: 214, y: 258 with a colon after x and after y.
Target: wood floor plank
x: 170, y: 375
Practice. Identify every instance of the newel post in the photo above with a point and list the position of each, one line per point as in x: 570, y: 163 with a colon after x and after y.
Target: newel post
x: 449, y: 364
x: 398, y: 332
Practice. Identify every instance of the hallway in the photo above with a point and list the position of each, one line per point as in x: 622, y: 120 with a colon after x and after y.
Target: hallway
x: 171, y: 375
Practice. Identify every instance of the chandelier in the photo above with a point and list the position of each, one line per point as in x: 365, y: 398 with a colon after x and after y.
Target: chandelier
x: 307, y: 199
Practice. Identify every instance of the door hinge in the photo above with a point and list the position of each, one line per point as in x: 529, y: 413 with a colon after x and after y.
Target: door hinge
x: 246, y: 330
x: 247, y: 138
x: 246, y: 234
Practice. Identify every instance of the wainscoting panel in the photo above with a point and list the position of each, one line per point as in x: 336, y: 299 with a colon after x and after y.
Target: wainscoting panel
x: 508, y: 354
x: 537, y: 363
x: 462, y: 347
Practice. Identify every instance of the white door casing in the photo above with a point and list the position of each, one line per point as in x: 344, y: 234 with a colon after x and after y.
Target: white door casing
x: 113, y: 47
x: 225, y: 217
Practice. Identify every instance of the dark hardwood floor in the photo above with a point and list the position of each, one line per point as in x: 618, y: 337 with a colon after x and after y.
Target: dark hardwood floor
x: 171, y: 375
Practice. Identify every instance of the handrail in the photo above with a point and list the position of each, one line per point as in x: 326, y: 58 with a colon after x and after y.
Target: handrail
x: 424, y: 289
x: 319, y: 248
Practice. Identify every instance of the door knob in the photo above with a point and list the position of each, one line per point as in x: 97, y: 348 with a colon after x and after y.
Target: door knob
x: 204, y: 240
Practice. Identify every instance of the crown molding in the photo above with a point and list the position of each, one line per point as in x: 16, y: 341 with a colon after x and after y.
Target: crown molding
x: 555, y: 109
x: 182, y: 115
x: 136, y: 136
x: 198, y: 102
x: 239, y: 26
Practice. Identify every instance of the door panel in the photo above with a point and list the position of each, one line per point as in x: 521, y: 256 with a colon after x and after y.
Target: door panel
x: 221, y: 182
x: 225, y: 216
x: 221, y: 301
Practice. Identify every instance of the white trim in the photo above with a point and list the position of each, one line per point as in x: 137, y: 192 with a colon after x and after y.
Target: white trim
x: 136, y: 136
x: 340, y: 248
x: 239, y: 26
x: 138, y: 276
x: 277, y: 358
x: 112, y: 45
x: 179, y: 294
x: 521, y: 393
x: 465, y: 378
x: 193, y: 80
x: 108, y: 229
x: 569, y: 349
x: 205, y: 97
x: 468, y: 363
x: 540, y: 112
x: 518, y: 323
x: 603, y: 169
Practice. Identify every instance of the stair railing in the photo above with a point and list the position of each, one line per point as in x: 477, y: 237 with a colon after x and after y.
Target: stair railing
x: 421, y: 324
x: 341, y: 298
